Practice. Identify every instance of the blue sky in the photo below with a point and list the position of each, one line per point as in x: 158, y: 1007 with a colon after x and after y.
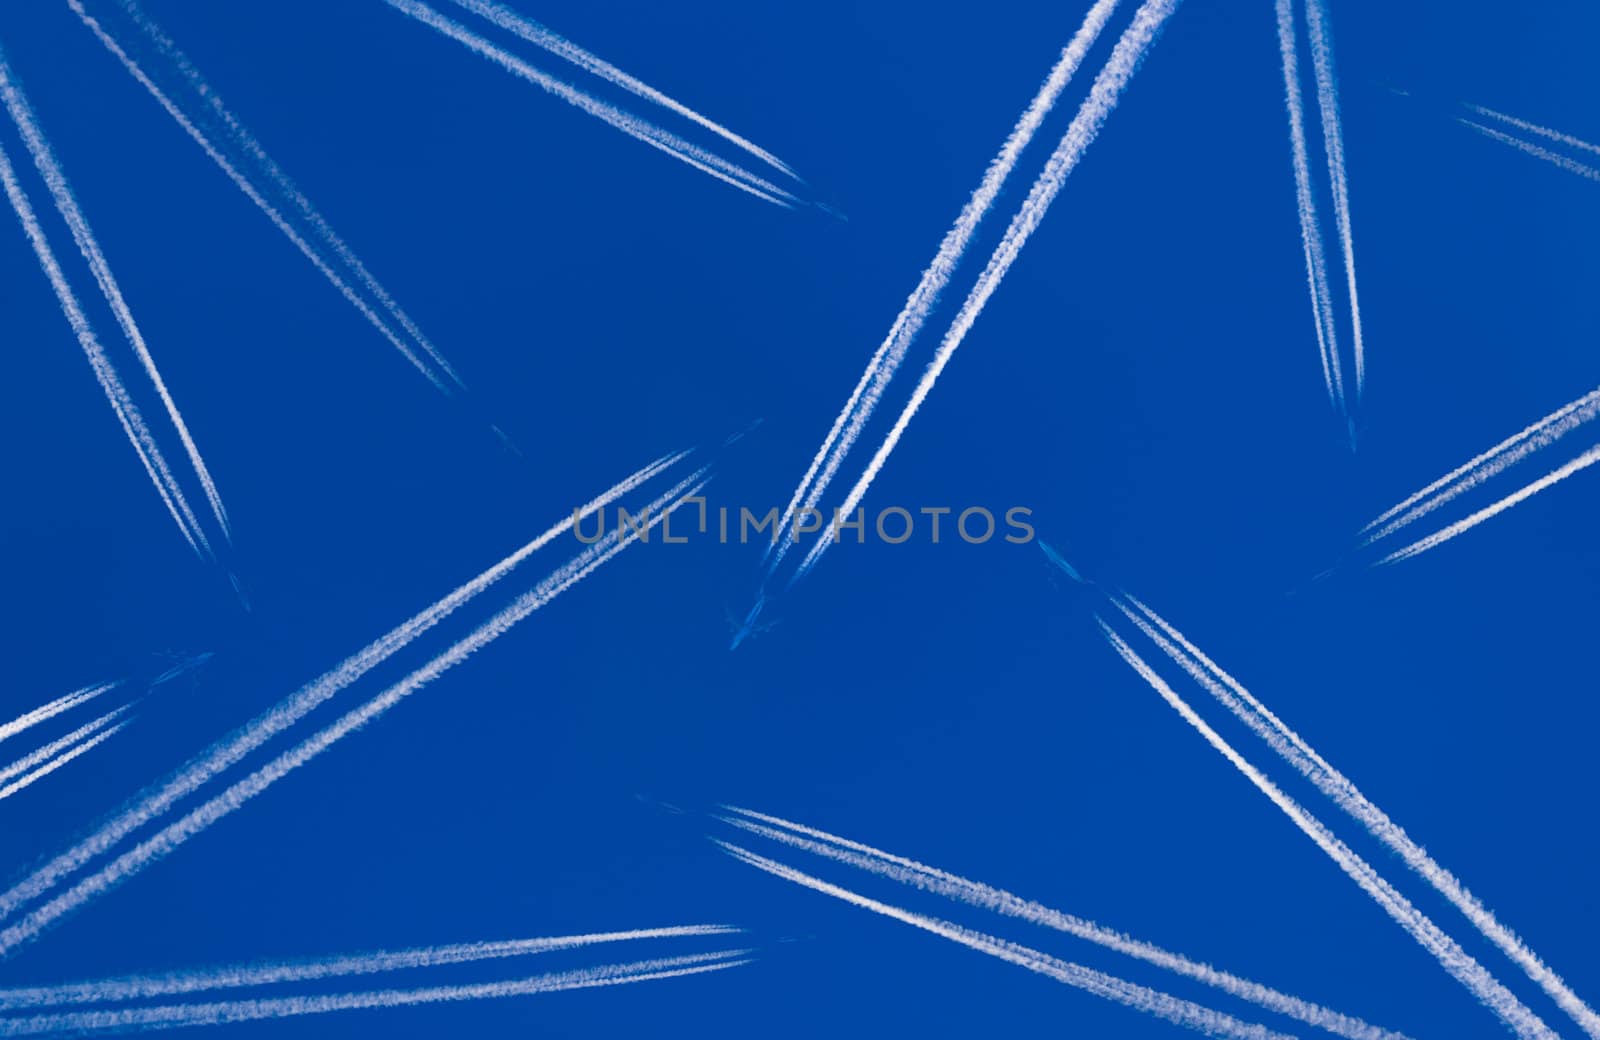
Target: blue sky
x: 1145, y: 381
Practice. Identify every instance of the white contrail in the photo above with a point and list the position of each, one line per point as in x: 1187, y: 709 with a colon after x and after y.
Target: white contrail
x: 952, y: 886
x: 891, y: 352
x: 57, y: 762
x: 1085, y: 127
x: 1439, y: 537
x: 1460, y: 965
x: 143, y: 987
x: 29, y: 719
x: 1321, y: 40
x: 133, y: 425
x: 175, y: 834
x: 1310, y: 231
x: 171, y: 1016
x: 539, y: 35
x: 67, y: 205
x: 1490, y: 463
x: 449, y: 383
x: 159, y: 797
x: 1570, y: 165
x: 33, y: 758
x: 1535, y: 128
x: 1343, y: 792
x: 1107, y: 987
x: 634, y: 127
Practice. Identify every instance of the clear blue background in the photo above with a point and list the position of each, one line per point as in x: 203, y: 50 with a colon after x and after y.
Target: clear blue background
x: 1145, y: 380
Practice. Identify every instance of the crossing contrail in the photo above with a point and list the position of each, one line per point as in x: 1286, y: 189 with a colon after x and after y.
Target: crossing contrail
x: 176, y: 1015
x: 1568, y: 164
x: 1456, y: 961
x: 1108, y: 987
x: 158, y: 798
x: 1342, y: 791
x: 1535, y: 128
x: 634, y: 127
x: 952, y: 886
x: 60, y: 760
x: 55, y: 747
x: 143, y: 987
x: 1103, y: 96
x: 44, y: 712
x: 540, y: 36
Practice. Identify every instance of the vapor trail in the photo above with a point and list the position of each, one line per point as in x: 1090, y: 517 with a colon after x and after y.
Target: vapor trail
x: 539, y: 35
x: 891, y: 352
x: 1535, y: 128
x: 1103, y: 96
x: 57, y: 762
x: 447, y: 382
x: 157, y: 798
x: 143, y: 987
x: 1107, y: 987
x: 1570, y: 165
x: 1456, y: 961
x: 33, y: 758
x: 952, y: 886
x: 220, y: 1013
x: 634, y: 127
x: 175, y: 834
x: 1289, y: 745
x: 67, y: 702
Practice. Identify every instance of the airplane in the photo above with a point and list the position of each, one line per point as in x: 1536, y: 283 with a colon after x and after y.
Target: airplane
x: 1056, y: 558
x: 186, y: 663
x: 744, y: 630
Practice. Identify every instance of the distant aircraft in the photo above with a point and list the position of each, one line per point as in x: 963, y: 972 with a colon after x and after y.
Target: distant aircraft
x: 749, y: 627
x: 733, y: 437
x: 185, y: 663
x: 1056, y: 558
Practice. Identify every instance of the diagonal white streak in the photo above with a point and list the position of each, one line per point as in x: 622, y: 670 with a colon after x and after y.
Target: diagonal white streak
x: 67, y: 702
x: 59, y: 761
x: 28, y: 761
x: 1534, y: 128
x: 1568, y: 164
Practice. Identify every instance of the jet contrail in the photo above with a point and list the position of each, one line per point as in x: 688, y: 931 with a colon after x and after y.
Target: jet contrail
x: 59, y: 761
x: 1535, y: 128
x: 33, y: 758
x: 634, y: 127
x: 540, y: 36
x: 143, y: 987
x: 1107, y: 987
x: 1490, y: 463
x: 1570, y: 165
x: 1107, y: 89
x: 1289, y: 745
x: 1460, y: 965
x: 67, y: 702
x: 891, y: 352
x: 171, y: 1016
x: 1439, y: 537
x: 175, y: 834
x: 952, y: 886
x: 223, y: 754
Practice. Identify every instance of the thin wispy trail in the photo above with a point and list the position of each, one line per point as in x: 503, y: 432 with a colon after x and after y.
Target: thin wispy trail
x: 1456, y: 961
x: 197, y: 820
x: 158, y: 798
x: 908, y: 323
x: 561, y: 47
x: 172, y: 1016
x: 55, y: 180
x: 952, y: 886
x: 1292, y: 748
x: 1108, y: 987
x: 1310, y: 229
x: 55, y: 747
x: 1104, y: 94
x: 634, y: 127
x: 418, y: 351
x: 1488, y: 464
x: 127, y: 413
x: 60, y: 760
x: 143, y: 987
x: 1534, y: 128
x: 1321, y: 40
x: 44, y: 712
x: 1566, y: 163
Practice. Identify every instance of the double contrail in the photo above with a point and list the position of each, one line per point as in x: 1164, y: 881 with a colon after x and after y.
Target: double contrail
x: 44, y: 712
x: 52, y: 756
x: 952, y: 886
x: 1567, y: 163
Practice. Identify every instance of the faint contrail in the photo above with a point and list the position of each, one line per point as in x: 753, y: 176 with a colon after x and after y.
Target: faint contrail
x: 1289, y: 745
x: 67, y: 205
x: 175, y: 834
x: 1085, y: 127
x: 1489, y: 991
x: 445, y: 378
x: 931, y: 879
x: 1439, y: 537
x: 159, y: 797
x: 171, y: 1016
x: 29, y: 719
x: 891, y: 352
x: 1535, y: 128
x: 33, y: 758
x: 1108, y: 987
x: 143, y: 987
x: 634, y: 127
x: 1570, y: 165
x: 59, y: 761
x: 539, y: 35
